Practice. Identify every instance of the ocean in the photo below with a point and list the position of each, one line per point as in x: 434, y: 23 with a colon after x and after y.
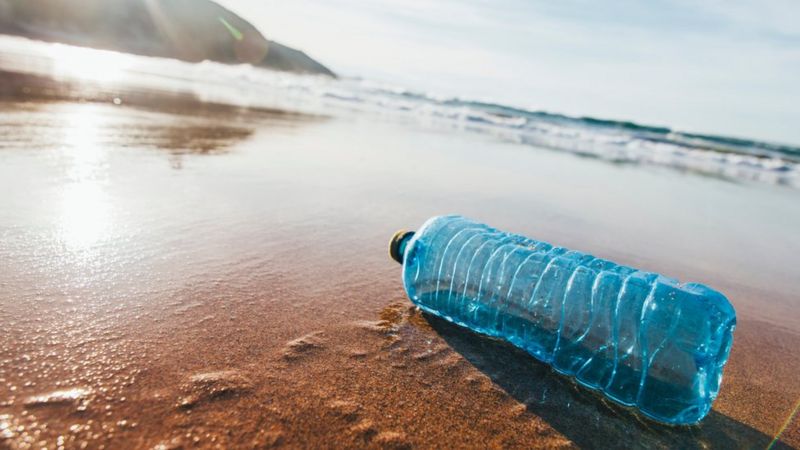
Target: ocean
x: 731, y: 158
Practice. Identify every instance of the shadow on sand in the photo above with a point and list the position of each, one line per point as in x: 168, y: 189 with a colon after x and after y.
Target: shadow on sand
x: 581, y: 415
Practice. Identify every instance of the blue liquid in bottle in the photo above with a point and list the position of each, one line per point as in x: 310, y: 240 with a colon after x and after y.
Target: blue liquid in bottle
x: 639, y: 338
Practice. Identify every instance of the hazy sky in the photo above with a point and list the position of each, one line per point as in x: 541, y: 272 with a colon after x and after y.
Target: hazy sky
x: 728, y: 67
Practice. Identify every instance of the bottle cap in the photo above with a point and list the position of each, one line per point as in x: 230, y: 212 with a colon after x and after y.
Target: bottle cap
x: 397, y: 245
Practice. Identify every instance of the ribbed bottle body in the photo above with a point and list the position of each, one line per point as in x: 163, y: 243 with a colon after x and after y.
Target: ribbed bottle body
x: 641, y: 339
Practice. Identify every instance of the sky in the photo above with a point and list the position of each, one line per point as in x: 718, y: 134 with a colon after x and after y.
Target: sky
x: 721, y: 67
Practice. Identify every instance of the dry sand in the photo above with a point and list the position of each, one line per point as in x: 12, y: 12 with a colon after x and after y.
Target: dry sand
x: 217, y: 277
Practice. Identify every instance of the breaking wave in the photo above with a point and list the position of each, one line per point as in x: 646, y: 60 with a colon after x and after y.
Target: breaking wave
x: 618, y: 141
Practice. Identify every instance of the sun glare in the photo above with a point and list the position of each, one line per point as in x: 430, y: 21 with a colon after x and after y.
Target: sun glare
x: 88, y: 64
x: 84, y: 216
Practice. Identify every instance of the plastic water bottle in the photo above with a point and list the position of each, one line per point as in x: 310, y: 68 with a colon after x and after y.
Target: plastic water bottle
x: 643, y: 340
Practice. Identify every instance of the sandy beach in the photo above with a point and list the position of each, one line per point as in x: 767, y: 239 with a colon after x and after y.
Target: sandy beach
x: 180, y: 274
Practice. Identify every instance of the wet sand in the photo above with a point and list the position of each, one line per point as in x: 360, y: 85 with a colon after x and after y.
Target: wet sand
x: 176, y: 275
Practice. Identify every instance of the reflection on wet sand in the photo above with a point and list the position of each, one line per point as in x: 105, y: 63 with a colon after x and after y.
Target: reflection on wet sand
x: 67, y: 364
x: 35, y: 87
x: 36, y: 116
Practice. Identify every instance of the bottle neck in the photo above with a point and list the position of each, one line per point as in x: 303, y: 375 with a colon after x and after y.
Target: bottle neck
x: 397, y: 246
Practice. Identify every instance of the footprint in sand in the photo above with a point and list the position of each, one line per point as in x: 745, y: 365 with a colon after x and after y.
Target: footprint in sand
x: 303, y: 345
x: 78, y: 397
x: 392, y: 440
x: 364, y: 429
x: 345, y: 409
x: 208, y: 386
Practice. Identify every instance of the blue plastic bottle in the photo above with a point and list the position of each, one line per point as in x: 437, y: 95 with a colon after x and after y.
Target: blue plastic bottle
x: 641, y: 339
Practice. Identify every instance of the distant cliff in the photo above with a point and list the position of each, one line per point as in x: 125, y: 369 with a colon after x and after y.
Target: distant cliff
x: 190, y: 30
